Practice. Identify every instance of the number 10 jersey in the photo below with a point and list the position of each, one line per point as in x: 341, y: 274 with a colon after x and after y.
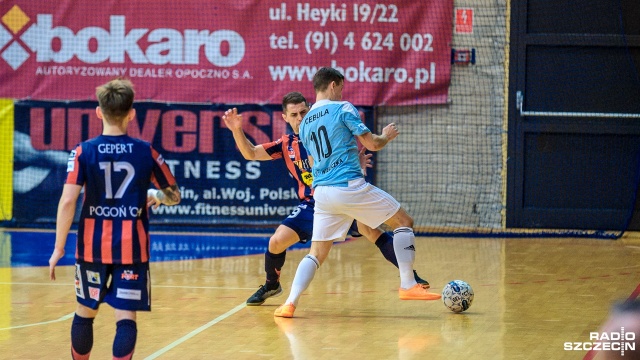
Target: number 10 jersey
x: 327, y: 132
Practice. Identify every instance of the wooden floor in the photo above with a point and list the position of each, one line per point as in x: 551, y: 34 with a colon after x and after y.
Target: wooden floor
x: 531, y: 296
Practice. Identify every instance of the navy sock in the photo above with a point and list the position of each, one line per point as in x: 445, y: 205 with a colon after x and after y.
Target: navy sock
x: 81, y: 337
x: 125, y: 341
x: 272, y: 265
x: 385, y: 244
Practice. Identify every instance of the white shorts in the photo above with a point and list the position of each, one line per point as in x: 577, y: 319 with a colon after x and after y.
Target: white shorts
x: 336, y: 207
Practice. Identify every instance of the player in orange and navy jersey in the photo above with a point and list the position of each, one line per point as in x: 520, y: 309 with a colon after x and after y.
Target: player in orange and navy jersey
x: 295, y: 158
x: 298, y: 226
x: 112, y: 248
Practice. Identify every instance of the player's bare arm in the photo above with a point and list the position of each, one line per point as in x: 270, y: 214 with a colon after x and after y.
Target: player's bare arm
x: 64, y: 219
x: 365, y: 160
x: 249, y: 151
x: 375, y: 142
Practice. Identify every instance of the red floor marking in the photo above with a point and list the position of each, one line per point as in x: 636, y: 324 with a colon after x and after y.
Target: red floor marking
x: 634, y: 294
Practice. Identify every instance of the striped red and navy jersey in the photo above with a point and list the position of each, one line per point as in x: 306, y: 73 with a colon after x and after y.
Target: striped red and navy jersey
x: 116, y: 172
x: 291, y: 150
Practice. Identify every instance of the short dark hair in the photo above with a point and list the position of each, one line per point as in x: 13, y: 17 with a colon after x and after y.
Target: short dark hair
x: 293, y: 97
x: 115, y: 98
x: 324, y: 77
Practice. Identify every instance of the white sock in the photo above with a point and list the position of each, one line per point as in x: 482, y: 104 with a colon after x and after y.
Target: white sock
x: 404, y: 246
x: 305, y: 273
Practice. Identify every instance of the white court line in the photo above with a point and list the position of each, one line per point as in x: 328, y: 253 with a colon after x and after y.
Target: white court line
x: 66, y: 317
x: 196, y: 331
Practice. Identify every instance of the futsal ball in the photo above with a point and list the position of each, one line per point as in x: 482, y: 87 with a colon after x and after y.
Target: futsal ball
x: 457, y: 296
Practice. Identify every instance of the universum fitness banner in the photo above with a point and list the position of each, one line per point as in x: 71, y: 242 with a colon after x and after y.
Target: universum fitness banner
x: 394, y: 53
x: 218, y: 185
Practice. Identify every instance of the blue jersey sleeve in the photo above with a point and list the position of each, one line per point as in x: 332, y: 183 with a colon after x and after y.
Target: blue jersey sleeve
x: 351, y: 119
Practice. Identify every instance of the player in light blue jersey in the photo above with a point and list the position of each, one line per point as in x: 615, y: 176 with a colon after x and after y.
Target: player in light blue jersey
x: 329, y: 131
x: 341, y: 192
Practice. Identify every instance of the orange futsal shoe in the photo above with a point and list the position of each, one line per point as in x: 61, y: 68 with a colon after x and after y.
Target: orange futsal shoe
x: 417, y: 292
x: 285, y: 311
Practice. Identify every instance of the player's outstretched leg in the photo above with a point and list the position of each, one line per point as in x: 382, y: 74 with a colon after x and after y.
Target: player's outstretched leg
x: 305, y: 273
x: 272, y: 265
x: 404, y: 245
x: 385, y: 244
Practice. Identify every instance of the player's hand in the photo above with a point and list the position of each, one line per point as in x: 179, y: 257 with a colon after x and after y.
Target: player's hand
x: 53, y: 261
x: 390, y: 131
x: 154, y: 198
x: 365, y: 160
x: 232, y: 119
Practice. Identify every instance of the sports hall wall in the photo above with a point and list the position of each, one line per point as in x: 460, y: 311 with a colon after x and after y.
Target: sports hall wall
x: 436, y: 68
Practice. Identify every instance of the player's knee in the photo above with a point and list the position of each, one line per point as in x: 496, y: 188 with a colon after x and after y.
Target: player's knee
x: 86, y: 312
x: 409, y: 222
x: 405, y: 220
x: 400, y: 219
x: 277, y: 245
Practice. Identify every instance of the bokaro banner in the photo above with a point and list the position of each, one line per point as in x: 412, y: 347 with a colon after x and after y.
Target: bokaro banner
x: 218, y: 185
x: 241, y: 51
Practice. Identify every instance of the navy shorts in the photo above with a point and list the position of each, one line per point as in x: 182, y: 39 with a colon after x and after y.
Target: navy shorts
x: 301, y: 221
x: 124, y: 287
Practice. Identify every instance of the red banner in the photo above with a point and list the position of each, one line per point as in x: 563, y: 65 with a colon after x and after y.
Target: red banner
x: 391, y: 53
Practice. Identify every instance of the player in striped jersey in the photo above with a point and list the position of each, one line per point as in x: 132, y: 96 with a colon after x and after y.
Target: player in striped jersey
x: 342, y: 194
x: 299, y: 225
x: 112, y: 247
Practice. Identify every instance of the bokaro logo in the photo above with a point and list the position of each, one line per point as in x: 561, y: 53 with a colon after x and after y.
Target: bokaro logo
x: 95, y: 45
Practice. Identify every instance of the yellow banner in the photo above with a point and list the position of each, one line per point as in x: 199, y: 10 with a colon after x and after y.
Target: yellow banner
x: 5, y: 284
x: 6, y: 159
